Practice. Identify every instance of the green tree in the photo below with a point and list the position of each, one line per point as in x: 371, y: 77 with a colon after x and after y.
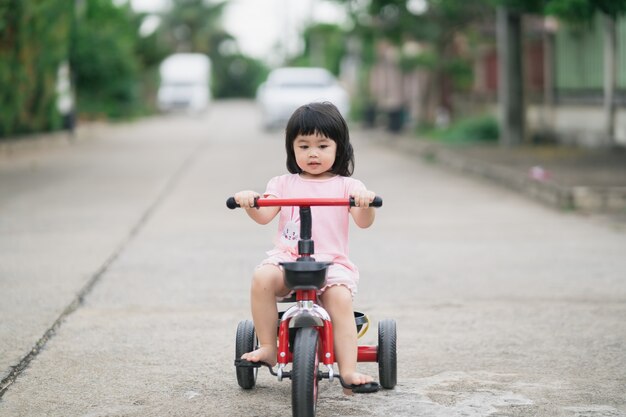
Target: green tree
x: 105, y: 60
x: 438, y: 27
x: 444, y: 19
x: 193, y: 25
x: 150, y: 50
x: 34, y: 41
x: 237, y: 75
x: 574, y: 11
x: 444, y: 26
x: 324, y: 46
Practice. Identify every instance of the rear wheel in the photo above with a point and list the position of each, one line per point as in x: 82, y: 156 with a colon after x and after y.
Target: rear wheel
x: 246, y: 342
x: 304, y: 376
x: 387, y: 362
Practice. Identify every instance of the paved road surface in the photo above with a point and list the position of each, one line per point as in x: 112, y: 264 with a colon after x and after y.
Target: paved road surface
x: 118, y: 255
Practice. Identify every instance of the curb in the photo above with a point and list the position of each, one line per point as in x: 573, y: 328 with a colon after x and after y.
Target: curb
x: 579, y: 198
x: 28, y: 143
x: 602, y: 199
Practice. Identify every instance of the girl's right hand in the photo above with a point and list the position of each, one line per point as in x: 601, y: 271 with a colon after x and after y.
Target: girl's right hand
x: 246, y: 198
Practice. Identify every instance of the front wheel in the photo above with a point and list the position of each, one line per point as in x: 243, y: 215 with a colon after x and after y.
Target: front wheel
x: 387, y: 362
x: 246, y: 342
x: 304, y: 376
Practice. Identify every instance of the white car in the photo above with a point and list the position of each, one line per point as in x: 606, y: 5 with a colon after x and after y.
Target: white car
x: 288, y: 88
x: 185, y: 83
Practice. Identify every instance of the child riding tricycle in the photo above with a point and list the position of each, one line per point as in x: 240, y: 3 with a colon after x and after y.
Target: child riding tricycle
x: 321, y: 328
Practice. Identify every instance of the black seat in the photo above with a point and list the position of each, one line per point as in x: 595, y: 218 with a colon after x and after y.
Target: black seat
x: 305, y: 275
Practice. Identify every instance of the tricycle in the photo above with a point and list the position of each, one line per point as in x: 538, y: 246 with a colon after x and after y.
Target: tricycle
x: 305, y: 332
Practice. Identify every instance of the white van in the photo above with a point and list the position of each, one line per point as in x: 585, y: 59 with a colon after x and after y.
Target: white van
x: 185, y: 82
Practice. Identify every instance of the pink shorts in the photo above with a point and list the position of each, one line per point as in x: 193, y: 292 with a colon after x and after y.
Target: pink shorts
x: 337, y: 274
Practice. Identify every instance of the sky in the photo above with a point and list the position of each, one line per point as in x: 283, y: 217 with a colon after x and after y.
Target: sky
x: 266, y: 29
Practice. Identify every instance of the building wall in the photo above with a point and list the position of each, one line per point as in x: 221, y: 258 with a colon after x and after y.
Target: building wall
x: 579, y: 56
x: 577, y: 125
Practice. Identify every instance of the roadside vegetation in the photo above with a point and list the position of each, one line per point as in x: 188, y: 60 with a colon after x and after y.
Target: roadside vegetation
x: 112, y: 56
x: 476, y: 129
x: 113, y: 53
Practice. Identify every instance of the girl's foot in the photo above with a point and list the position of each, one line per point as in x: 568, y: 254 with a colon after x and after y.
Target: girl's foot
x: 265, y: 354
x: 355, y: 378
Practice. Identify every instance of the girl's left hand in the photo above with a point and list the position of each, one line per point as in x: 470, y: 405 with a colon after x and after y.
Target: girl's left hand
x: 363, y: 198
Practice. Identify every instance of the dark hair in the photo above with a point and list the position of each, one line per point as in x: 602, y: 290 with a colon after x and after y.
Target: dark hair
x: 323, y: 119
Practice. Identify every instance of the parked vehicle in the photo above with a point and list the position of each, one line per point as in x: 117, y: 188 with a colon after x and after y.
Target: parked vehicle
x: 288, y: 88
x: 185, y: 82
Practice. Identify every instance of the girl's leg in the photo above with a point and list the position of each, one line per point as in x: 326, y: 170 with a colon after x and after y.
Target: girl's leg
x: 267, y: 284
x: 337, y: 300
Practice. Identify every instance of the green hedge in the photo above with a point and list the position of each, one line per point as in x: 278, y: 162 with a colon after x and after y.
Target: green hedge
x: 474, y: 129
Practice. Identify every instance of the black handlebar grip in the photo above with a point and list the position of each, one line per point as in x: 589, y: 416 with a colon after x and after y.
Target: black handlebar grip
x: 231, y: 203
x: 378, y: 202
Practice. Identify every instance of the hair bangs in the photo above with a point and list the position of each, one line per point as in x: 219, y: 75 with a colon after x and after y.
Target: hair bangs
x: 307, y: 123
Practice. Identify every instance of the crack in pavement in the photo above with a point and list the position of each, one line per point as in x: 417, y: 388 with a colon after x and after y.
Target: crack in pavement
x: 170, y: 185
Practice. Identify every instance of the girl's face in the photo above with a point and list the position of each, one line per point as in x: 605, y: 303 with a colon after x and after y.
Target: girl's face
x: 315, y: 155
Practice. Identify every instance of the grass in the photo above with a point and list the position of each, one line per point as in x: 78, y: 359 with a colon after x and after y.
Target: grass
x: 483, y: 129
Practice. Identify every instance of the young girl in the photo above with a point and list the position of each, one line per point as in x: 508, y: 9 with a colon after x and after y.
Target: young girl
x: 320, y: 160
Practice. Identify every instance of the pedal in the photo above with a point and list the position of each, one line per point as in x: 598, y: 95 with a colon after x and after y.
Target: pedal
x: 282, y: 374
x: 330, y: 375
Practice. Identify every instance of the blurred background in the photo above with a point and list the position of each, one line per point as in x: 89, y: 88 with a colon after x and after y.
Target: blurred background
x: 513, y: 71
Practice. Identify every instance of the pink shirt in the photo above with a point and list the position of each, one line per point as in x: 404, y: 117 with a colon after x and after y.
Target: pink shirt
x: 330, y: 224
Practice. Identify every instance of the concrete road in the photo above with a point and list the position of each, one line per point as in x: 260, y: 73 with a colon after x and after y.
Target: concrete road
x: 125, y: 276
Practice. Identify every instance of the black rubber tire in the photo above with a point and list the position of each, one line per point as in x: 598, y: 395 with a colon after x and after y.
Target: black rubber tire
x: 246, y: 342
x: 304, y: 377
x: 387, y: 357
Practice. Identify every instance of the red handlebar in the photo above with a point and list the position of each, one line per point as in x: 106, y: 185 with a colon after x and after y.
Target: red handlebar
x: 303, y: 202
x: 298, y: 202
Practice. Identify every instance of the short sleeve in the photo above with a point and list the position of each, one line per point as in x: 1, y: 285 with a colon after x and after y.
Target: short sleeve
x: 273, y: 188
x: 354, y: 185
